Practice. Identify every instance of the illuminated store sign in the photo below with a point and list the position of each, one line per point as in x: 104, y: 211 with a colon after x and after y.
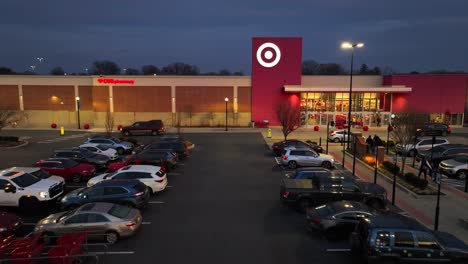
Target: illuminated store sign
x: 114, y: 81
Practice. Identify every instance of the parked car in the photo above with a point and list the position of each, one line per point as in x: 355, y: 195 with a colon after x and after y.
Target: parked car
x: 27, y: 191
x: 400, y: 239
x: 324, y: 188
x: 131, y: 193
x: 102, y: 150
x: 278, y: 147
x: 137, y: 159
x: 337, y: 219
x: 10, y: 224
x: 38, y: 172
x: 152, y: 176
x: 115, y: 143
x: 178, y: 147
x: 108, y: 221
x: 442, y: 152
x: 424, y: 143
x: 174, y: 137
x: 67, y: 168
x: 307, y: 173
x: 153, y: 127
x: 434, y: 129
x: 338, y: 136
x: 293, y: 158
x: 458, y: 166
x: 170, y: 157
x: 83, y: 156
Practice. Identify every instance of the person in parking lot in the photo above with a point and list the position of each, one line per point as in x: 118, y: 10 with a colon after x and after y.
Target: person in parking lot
x: 424, y: 167
x: 377, y: 142
x: 370, y: 145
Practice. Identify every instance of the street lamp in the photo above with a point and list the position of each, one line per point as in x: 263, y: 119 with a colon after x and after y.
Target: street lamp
x: 349, y: 45
x: 78, y: 106
x: 226, y: 100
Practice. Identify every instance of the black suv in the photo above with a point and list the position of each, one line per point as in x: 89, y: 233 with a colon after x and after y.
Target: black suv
x: 396, y: 238
x: 153, y: 127
x: 324, y: 188
x: 442, y: 152
x: 434, y: 129
x: 83, y: 156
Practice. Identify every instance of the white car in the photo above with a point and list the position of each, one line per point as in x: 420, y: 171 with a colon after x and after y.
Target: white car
x: 293, y: 158
x: 152, y: 176
x: 27, y: 191
x: 38, y: 172
x: 422, y: 143
x: 101, y: 149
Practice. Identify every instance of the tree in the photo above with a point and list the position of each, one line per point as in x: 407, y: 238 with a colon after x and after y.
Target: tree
x: 377, y: 71
x: 179, y: 68
x: 405, y: 125
x: 289, y: 117
x: 8, y: 117
x: 364, y: 69
x: 150, y: 70
x: 238, y: 73
x: 6, y: 70
x: 224, y: 72
x: 132, y: 71
x: 105, y: 68
x: 310, y: 67
x: 330, y: 69
x: 57, y: 71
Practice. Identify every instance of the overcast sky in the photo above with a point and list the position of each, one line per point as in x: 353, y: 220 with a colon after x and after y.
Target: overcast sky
x: 215, y: 34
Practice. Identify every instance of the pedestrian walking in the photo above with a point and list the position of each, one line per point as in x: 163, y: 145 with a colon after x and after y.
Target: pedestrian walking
x: 377, y: 142
x: 378, y: 121
x: 423, y: 168
x: 370, y: 145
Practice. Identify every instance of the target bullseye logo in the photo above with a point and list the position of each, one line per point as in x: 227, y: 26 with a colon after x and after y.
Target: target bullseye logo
x: 268, y: 55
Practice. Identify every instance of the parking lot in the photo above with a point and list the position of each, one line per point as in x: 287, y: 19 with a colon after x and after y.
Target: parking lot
x: 221, y: 205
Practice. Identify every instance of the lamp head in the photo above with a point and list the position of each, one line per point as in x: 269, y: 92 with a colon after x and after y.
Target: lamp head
x: 226, y: 99
x: 77, y: 98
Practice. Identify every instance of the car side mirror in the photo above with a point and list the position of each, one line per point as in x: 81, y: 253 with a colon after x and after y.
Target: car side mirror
x: 10, y: 189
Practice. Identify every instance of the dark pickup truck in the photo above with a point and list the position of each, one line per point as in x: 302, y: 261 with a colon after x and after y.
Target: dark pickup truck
x: 325, y: 188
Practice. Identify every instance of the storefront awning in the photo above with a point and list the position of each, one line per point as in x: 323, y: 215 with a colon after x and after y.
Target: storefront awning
x: 383, y: 89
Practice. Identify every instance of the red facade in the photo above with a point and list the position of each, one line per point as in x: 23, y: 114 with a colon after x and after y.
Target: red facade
x: 268, y: 79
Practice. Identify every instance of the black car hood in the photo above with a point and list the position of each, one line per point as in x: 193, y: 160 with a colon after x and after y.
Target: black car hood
x: 427, y: 153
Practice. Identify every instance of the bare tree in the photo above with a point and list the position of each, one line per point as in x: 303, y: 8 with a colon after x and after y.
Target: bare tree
x: 405, y: 125
x: 10, y: 117
x: 289, y: 117
x: 109, y: 123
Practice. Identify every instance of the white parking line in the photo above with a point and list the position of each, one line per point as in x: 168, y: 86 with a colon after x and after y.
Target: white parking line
x: 169, y: 186
x: 174, y: 173
x: 338, y: 249
x: 28, y: 235
x: 115, y: 253
x: 146, y: 223
x: 156, y: 202
x: 277, y: 159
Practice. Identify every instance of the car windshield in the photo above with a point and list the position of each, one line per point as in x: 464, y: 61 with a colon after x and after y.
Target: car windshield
x: 110, y: 175
x: 119, y: 211
x: 41, y: 174
x: 102, y: 147
x: 461, y: 159
x: 69, y: 163
x: 325, y: 210
x: 65, y: 215
x: 25, y: 180
x: 116, y: 140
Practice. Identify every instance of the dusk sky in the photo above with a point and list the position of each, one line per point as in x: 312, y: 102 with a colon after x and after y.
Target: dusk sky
x: 406, y: 35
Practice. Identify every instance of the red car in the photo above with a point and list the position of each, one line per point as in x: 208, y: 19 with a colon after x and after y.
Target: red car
x: 10, y: 224
x: 137, y: 160
x: 68, y: 169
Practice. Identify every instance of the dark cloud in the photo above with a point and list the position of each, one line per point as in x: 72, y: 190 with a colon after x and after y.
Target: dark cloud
x: 213, y: 34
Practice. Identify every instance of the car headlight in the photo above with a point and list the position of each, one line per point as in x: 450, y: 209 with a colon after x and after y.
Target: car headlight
x: 43, y: 194
x: 3, y: 229
x: 37, y: 228
x: 332, y: 160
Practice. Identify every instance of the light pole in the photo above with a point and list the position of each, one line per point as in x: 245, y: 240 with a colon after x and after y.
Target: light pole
x: 78, y: 106
x: 226, y: 100
x: 352, y: 46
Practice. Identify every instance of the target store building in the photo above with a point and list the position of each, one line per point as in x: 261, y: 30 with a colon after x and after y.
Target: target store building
x: 200, y: 100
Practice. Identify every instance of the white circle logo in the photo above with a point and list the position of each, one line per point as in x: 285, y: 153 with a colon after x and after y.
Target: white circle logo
x: 268, y: 55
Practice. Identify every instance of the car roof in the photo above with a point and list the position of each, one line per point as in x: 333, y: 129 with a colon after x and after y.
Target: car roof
x: 301, y: 148
x: 395, y: 221
x: 141, y: 168
x: 89, y: 145
x: 118, y: 182
x: 96, y: 207
x: 11, y: 174
x: 24, y: 169
x: 345, y: 206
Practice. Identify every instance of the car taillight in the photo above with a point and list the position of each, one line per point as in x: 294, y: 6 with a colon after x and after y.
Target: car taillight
x: 315, y: 220
x: 139, y: 194
x: 284, y: 157
x: 130, y: 223
x: 163, y: 168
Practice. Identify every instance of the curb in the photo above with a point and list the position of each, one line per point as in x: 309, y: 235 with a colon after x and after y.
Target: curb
x: 25, y: 143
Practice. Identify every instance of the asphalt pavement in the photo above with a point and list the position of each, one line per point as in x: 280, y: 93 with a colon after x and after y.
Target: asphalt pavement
x: 222, y: 206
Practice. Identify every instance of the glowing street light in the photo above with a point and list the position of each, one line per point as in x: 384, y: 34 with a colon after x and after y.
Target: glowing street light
x: 226, y: 100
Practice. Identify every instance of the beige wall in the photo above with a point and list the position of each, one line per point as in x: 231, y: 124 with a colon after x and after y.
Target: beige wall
x: 9, y: 97
x: 359, y: 81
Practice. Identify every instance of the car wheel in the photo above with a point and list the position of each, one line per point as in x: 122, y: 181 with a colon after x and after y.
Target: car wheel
x: 29, y: 205
x: 303, y: 204
x: 48, y: 238
x: 154, y: 133
x: 444, y: 133
x: 76, y: 178
x: 292, y: 164
x: 336, y: 140
x: 127, y: 133
x: 461, y: 174
x: 412, y: 153
x: 112, y: 237
x: 120, y: 151
x: 326, y: 164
